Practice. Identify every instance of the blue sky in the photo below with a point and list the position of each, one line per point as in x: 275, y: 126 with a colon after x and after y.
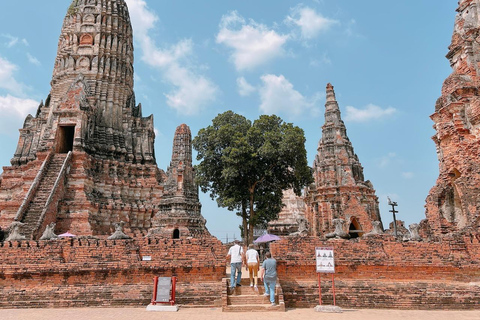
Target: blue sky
x: 196, y: 59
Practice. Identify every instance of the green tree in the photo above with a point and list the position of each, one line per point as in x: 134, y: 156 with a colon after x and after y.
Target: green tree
x: 246, y: 166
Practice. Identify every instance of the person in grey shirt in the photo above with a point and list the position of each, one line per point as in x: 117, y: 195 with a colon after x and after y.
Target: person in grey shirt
x: 269, y: 276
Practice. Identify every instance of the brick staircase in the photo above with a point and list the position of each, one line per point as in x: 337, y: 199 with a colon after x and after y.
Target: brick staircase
x: 34, y: 210
x: 246, y: 299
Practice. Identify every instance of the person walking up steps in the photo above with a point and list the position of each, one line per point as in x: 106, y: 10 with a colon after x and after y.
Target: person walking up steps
x: 236, y: 258
x: 269, y: 276
x: 252, y: 263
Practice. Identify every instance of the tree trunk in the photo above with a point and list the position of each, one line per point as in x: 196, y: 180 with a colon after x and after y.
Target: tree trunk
x: 245, y: 223
x: 250, y: 233
x: 251, y: 222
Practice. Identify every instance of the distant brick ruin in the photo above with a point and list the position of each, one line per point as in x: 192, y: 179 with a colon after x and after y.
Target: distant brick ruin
x: 86, y: 160
x: 340, y: 190
x: 85, y: 163
x: 340, y: 203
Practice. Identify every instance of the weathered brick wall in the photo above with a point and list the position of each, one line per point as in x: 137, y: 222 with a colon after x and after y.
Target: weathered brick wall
x: 90, y: 272
x: 374, y: 272
x: 380, y: 272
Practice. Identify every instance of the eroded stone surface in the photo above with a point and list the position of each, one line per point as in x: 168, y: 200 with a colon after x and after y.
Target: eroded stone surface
x: 91, y: 111
x: 453, y: 203
x: 340, y: 190
x: 291, y: 220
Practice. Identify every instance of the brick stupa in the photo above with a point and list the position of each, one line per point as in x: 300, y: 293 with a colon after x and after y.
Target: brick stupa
x: 86, y: 159
x: 454, y: 203
x: 180, y: 207
x: 340, y: 190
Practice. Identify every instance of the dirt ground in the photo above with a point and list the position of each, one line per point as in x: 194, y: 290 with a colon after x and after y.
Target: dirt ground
x: 216, y: 314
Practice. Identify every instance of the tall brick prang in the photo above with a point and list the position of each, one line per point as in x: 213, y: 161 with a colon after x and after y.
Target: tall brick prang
x: 340, y: 190
x: 453, y: 203
x: 108, y: 172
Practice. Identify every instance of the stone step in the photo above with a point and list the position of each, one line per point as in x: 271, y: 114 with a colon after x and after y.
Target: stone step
x: 254, y: 308
x: 249, y: 299
x: 247, y: 290
x: 31, y: 218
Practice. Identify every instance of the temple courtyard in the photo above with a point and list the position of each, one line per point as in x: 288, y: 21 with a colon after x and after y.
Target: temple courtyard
x: 216, y: 313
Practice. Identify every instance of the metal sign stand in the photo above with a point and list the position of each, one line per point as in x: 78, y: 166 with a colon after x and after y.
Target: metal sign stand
x: 325, y: 264
x: 320, y: 289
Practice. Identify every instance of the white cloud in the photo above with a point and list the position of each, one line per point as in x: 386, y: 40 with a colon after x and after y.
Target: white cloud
x: 192, y: 90
x: 244, y: 88
x: 408, y: 175
x: 33, y: 60
x: 371, y: 112
x: 142, y: 19
x: 253, y: 44
x: 157, y: 132
x: 277, y: 95
x: 17, y: 107
x: 322, y: 60
x: 13, y: 41
x: 14, y: 110
x: 310, y: 22
x: 387, y: 159
x: 7, y: 80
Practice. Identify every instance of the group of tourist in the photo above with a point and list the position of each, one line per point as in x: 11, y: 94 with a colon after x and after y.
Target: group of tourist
x: 268, y: 272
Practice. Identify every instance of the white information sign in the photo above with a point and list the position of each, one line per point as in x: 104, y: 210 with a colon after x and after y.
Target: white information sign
x: 325, y: 260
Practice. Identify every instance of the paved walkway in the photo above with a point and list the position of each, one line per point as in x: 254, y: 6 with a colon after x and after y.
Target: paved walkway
x: 216, y: 314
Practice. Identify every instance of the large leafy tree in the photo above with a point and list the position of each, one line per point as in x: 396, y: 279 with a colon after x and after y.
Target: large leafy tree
x: 246, y: 166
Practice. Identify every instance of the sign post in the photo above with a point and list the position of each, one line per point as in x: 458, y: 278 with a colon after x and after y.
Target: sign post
x: 325, y: 264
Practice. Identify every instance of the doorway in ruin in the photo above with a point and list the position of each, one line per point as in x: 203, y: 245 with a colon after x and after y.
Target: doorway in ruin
x: 354, y: 230
x: 65, y: 135
x: 176, y: 234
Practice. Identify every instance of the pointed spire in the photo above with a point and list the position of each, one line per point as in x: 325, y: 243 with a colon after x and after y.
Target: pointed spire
x: 330, y: 93
x: 182, y: 145
x: 334, y: 148
x: 334, y: 128
x: 340, y: 190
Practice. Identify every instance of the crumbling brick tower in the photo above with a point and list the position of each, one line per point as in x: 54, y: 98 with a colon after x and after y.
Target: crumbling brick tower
x: 339, y: 191
x: 86, y: 160
x: 454, y: 202
x: 179, y: 213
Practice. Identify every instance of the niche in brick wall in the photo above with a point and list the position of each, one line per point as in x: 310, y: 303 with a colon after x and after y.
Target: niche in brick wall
x: 354, y: 229
x: 176, y: 234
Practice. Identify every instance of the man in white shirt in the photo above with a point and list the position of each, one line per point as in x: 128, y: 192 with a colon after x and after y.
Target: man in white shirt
x: 237, y: 256
x: 252, y: 261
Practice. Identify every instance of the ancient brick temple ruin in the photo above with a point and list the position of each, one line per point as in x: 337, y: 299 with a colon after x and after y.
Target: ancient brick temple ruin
x: 454, y: 202
x: 340, y: 202
x: 179, y: 210
x: 340, y: 191
x: 86, y: 160
x: 85, y: 163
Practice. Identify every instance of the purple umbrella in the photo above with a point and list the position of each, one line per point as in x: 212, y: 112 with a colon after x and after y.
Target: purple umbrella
x: 66, y: 235
x: 267, y: 238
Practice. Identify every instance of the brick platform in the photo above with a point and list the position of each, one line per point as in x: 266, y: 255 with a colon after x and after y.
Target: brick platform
x: 88, y: 272
x: 379, y: 272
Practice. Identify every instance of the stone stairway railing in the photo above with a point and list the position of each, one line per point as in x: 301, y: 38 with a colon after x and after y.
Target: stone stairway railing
x: 247, y: 299
x: 48, y: 214
x: 33, y: 188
